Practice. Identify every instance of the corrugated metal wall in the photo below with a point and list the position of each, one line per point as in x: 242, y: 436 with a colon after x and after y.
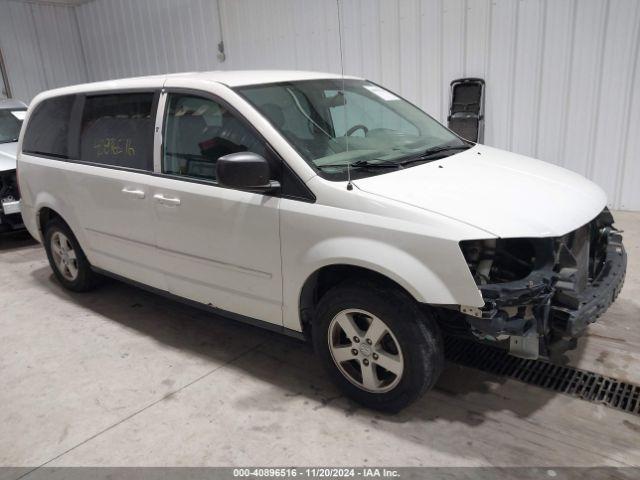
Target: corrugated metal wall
x: 123, y: 38
x: 41, y: 47
x: 562, y: 75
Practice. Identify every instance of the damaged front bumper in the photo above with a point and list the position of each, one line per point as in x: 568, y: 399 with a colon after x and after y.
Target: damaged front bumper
x: 10, y: 208
x: 571, y: 315
x: 575, y: 280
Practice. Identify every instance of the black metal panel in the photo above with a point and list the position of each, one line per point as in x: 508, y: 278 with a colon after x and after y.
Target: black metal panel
x: 583, y: 384
x: 466, y: 108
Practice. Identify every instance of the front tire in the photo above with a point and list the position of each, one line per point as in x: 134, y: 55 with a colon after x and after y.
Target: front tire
x: 67, y: 260
x: 377, y: 344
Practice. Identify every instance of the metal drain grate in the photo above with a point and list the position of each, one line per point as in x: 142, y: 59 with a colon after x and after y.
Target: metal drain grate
x: 558, y: 378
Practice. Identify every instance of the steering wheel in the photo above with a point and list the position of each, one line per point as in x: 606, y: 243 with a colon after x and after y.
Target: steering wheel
x: 355, y: 128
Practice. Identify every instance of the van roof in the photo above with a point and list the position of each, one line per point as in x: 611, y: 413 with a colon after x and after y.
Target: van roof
x: 231, y: 78
x: 237, y: 78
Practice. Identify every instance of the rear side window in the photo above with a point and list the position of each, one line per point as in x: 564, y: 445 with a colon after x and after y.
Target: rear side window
x: 117, y: 130
x: 48, y: 128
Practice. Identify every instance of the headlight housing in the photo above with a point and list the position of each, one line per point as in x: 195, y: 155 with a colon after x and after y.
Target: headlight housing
x: 502, y: 260
x: 9, y: 186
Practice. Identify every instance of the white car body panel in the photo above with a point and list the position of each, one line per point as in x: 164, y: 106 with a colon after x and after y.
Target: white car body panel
x: 119, y: 228
x: 251, y: 253
x: 417, y: 249
x: 230, y: 259
x: 504, y: 193
x: 8, y: 152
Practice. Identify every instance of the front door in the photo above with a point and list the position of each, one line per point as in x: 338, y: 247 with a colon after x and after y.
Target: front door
x: 217, y: 246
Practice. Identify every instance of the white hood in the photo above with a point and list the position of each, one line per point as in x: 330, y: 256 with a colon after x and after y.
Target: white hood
x: 8, y: 152
x: 503, y: 193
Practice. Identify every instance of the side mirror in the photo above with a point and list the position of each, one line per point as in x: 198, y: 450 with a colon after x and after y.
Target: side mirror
x: 245, y: 171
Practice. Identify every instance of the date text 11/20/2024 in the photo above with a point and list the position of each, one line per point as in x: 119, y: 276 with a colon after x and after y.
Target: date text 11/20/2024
x: 367, y: 472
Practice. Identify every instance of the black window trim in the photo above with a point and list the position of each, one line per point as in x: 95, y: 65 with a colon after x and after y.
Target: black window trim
x: 309, y: 195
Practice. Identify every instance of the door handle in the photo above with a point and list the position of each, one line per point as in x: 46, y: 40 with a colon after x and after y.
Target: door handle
x: 166, y: 200
x: 133, y: 192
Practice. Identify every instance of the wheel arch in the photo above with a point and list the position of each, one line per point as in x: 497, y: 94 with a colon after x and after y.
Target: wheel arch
x: 371, y: 258
x: 45, y: 215
x: 327, y: 276
x: 47, y: 210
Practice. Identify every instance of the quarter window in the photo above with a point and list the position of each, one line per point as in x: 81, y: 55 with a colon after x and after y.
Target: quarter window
x: 48, y: 129
x: 198, y: 131
x: 117, y: 130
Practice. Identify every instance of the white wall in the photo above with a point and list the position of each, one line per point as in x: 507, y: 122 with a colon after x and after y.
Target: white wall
x: 41, y: 47
x: 123, y: 38
x: 562, y: 75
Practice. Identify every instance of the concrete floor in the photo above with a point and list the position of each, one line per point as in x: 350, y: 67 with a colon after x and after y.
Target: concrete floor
x: 120, y: 377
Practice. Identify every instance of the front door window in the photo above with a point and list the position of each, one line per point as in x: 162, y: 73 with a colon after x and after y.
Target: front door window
x: 198, y: 131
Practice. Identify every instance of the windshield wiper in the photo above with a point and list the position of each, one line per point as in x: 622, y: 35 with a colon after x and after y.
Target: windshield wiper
x: 375, y: 163
x: 364, y: 164
x: 444, y: 148
x: 434, y: 151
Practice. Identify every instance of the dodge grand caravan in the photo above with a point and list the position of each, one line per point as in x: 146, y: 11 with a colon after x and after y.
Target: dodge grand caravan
x: 324, y: 207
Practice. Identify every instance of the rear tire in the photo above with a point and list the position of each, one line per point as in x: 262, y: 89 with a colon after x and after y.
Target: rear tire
x: 378, y: 346
x: 67, y: 260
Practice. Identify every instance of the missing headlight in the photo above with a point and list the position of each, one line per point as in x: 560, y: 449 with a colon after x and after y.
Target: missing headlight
x: 501, y: 260
x: 9, y: 186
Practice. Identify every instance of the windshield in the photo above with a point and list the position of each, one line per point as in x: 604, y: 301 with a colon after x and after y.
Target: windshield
x: 362, y: 126
x: 10, y: 123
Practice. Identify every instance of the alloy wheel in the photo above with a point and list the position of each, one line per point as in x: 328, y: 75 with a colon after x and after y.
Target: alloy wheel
x: 64, y: 256
x: 365, y: 350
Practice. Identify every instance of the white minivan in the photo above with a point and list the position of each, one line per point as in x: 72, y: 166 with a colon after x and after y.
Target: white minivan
x: 324, y: 207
